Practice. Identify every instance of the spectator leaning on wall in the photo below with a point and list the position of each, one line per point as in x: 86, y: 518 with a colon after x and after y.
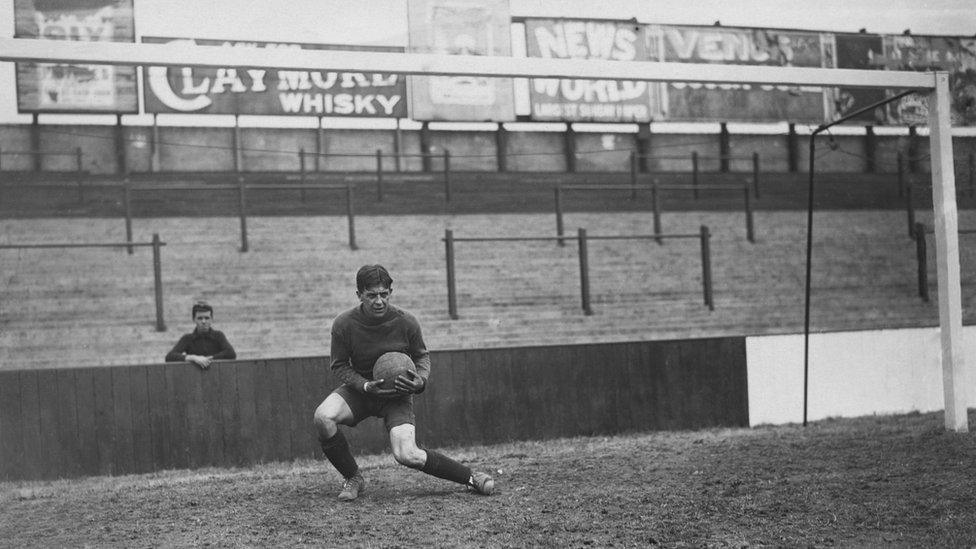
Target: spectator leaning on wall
x: 204, y: 344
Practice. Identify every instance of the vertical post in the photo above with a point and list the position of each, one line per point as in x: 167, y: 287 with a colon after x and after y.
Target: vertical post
x: 447, y: 175
x: 792, y: 149
x: 351, y: 217
x: 559, y: 214
x: 724, y: 147
x: 694, y: 174
x: 319, y: 139
x: 501, y: 148
x: 121, y: 158
x: 569, y: 148
x: 706, y: 257
x: 750, y: 234
x: 242, y: 210
x: 584, y: 272
x: 35, y: 138
x: 397, y: 147
x: 656, y: 209
x: 755, y: 174
x: 158, y: 282
x: 238, y: 157
x: 1, y: 159
x: 379, y: 175
x: 921, y: 255
x: 451, y: 289
x: 127, y: 203
x: 947, y: 256
x: 900, y: 159
x: 154, y: 154
x: 910, y: 209
x: 972, y: 174
x: 301, y: 171
x: 633, y: 175
x: 425, y: 147
x: 912, y: 149
x: 870, y: 150
x: 78, y: 174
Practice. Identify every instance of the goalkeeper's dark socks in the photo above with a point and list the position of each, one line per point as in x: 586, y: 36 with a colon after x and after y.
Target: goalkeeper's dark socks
x: 336, y: 450
x: 441, y: 466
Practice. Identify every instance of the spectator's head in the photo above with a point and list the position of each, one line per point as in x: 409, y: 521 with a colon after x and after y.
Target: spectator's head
x: 202, y: 314
x: 374, y: 287
x: 371, y: 276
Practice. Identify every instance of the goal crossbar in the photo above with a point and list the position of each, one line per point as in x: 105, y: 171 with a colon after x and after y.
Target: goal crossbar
x: 186, y: 54
x: 934, y: 84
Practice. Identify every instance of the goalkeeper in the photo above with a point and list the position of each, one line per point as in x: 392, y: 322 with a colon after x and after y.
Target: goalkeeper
x: 360, y: 336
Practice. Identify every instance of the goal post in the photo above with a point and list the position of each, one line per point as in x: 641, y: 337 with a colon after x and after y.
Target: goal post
x: 934, y: 84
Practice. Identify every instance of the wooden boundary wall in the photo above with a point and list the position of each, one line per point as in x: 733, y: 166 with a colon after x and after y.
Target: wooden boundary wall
x: 73, y: 422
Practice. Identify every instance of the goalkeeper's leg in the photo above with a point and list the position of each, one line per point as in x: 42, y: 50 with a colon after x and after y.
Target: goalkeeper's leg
x: 406, y: 452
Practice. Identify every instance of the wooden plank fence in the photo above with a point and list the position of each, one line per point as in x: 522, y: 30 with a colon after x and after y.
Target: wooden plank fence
x: 72, y: 422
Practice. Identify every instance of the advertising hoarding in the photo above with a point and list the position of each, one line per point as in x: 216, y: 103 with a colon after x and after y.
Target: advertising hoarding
x: 955, y: 55
x: 589, y: 100
x: 237, y: 90
x: 460, y: 28
x: 739, y: 46
x: 72, y: 87
x: 859, y: 51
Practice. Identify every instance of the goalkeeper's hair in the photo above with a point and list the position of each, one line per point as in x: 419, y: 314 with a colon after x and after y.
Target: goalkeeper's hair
x: 372, y: 275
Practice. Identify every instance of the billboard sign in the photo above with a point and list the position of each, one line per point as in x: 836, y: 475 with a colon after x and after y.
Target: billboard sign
x: 584, y: 100
x: 859, y: 51
x: 957, y: 56
x: 237, y: 90
x: 458, y: 27
x: 71, y: 87
x: 740, y: 46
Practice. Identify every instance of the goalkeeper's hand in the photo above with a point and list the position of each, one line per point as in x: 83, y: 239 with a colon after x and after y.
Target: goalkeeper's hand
x: 375, y: 388
x: 409, y: 383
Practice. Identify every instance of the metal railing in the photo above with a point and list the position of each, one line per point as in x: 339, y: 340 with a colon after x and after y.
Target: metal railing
x: 156, y: 245
x: 582, y: 239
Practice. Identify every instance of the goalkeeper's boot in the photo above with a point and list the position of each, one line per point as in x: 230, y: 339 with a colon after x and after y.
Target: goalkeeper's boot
x: 482, y: 483
x: 352, y: 488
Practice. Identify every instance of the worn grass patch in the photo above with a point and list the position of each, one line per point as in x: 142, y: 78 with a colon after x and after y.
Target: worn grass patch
x: 891, y: 481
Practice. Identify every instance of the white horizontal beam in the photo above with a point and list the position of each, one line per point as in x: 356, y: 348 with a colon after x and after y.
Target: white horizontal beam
x: 188, y: 55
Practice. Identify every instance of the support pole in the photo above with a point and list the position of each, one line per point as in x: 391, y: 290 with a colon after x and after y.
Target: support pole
x: 755, y: 174
x: 750, y: 233
x: 633, y: 174
x: 127, y: 203
x: 946, y: 226
x: 656, y: 209
x: 158, y: 282
x: 694, y: 174
x: 724, y: 147
x: 921, y: 255
x: 972, y: 174
x: 451, y: 289
x: 351, y: 216
x: 870, y: 150
x: 706, y: 255
x: 242, y: 210
x: 79, y: 168
x: 559, y: 215
x: 379, y: 175
x: 447, y: 175
x: 900, y: 159
x: 584, y: 272
x: 301, y: 171
x: 910, y: 210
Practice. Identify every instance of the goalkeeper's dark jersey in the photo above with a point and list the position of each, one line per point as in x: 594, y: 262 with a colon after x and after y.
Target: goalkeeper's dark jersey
x: 358, y: 340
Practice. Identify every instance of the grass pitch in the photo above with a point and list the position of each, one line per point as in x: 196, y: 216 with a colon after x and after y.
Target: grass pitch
x: 878, y: 481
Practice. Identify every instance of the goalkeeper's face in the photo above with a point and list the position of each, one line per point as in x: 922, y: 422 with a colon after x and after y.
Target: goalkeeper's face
x: 375, y: 300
